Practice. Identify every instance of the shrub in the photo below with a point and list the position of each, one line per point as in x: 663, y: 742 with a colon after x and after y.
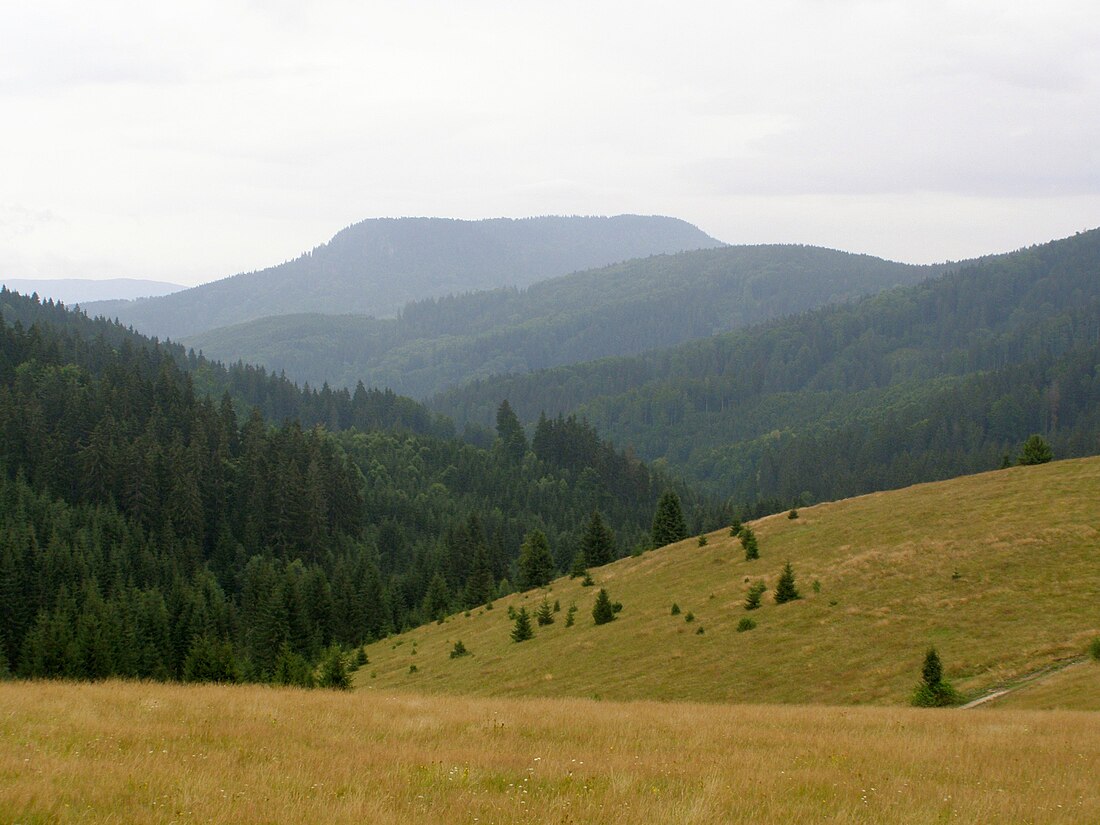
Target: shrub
x: 735, y: 528
x: 413, y: 669
x: 816, y: 586
x: 603, y: 611
x: 793, y: 514
x: 699, y: 631
x: 587, y: 580
x: 934, y: 691
x: 1094, y: 649
x: 545, y: 614
x: 361, y: 657
x: 702, y: 540
x: 752, y: 598
x: 570, y: 614
x: 675, y: 609
x: 785, y: 591
x: 557, y: 606
x: 689, y: 617
x: 459, y: 650
x: 745, y: 624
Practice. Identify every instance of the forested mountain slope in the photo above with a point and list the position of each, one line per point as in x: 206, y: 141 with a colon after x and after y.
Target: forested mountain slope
x: 617, y: 310
x: 913, y: 384
x: 377, y: 266
x: 151, y: 529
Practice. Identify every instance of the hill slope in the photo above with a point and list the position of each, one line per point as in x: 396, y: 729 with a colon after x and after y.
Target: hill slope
x: 83, y: 290
x: 997, y: 571
x: 377, y: 266
x: 914, y: 384
x: 623, y: 309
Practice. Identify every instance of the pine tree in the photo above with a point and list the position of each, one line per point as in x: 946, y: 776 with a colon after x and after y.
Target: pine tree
x: 522, y: 631
x: 1036, y: 450
x: 580, y: 565
x: 668, y: 521
x: 511, y: 439
x: 598, y: 542
x: 545, y: 614
x: 934, y: 691
x: 536, y: 564
x: 334, y: 673
x: 603, y: 612
x: 785, y: 590
x: 437, y: 600
x: 748, y: 541
x: 752, y: 598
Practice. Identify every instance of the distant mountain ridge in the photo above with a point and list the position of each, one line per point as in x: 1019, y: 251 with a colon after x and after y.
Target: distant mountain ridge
x: 621, y: 309
x: 84, y: 290
x: 379, y: 265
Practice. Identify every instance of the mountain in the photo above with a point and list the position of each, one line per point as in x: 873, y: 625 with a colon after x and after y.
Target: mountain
x: 377, y: 266
x: 622, y: 309
x: 154, y: 525
x: 996, y: 570
x: 86, y: 290
x: 913, y: 384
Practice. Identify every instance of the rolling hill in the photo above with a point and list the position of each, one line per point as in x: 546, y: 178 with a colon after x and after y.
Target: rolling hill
x: 622, y: 309
x: 377, y: 266
x: 996, y: 570
x: 917, y: 383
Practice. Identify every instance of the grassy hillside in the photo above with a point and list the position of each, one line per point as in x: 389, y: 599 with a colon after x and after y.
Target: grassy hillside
x: 998, y: 571
x: 377, y: 266
x: 143, y: 753
x: 623, y: 309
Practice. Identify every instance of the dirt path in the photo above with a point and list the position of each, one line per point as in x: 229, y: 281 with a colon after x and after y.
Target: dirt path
x: 1025, y: 681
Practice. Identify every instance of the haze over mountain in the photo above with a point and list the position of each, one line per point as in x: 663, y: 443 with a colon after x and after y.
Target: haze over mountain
x: 913, y: 384
x: 622, y: 309
x: 377, y: 266
x: 85, y: 290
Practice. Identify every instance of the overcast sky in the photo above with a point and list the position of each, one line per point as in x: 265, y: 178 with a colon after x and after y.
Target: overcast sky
x: 190, y: 141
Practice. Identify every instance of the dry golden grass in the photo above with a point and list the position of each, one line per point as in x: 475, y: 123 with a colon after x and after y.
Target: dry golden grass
x: 997, y: 570
x: 122, y: 753
x: 1076, y: 687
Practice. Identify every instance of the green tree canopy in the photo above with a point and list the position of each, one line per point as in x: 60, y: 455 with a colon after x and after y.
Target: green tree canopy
x: 668, y: 520
x: 536, y: 563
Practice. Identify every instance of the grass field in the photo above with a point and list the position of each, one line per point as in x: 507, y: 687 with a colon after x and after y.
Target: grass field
x: 997, y: 570
x: 1076, y: 687
x: 130, y: 753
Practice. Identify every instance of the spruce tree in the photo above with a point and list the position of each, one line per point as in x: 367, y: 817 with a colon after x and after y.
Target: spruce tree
x: 522, y: 631
x: 785, y: 590
x: 1036, y: 450
x: 437, y: 601
x: 511, y: 439
x: 579, y: 567
x: 598, y: 542
x: 334, y: 673
x: 603, y: 612
x: 748, y: 541
x: 536, y: 564
x: 668, y: 520
x: 545, y: 614
x: 752, y: 598
x: 934, y: 691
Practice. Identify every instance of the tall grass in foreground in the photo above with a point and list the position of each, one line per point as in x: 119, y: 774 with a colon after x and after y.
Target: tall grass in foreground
x: 126, y: 752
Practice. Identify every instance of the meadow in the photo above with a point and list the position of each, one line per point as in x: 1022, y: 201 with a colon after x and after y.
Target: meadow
x: 997, y: 570
x: 153, y: 753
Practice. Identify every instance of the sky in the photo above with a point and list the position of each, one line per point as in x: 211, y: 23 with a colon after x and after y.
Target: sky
x: 190, y: 141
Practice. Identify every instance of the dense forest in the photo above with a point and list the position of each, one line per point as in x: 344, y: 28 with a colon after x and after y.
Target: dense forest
x: 917, y: 383
x: 377, y: 266
x: 167, y: 517
x: 623, y: 309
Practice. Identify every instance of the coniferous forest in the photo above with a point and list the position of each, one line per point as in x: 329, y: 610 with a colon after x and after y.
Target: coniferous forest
x: 163, y: 516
